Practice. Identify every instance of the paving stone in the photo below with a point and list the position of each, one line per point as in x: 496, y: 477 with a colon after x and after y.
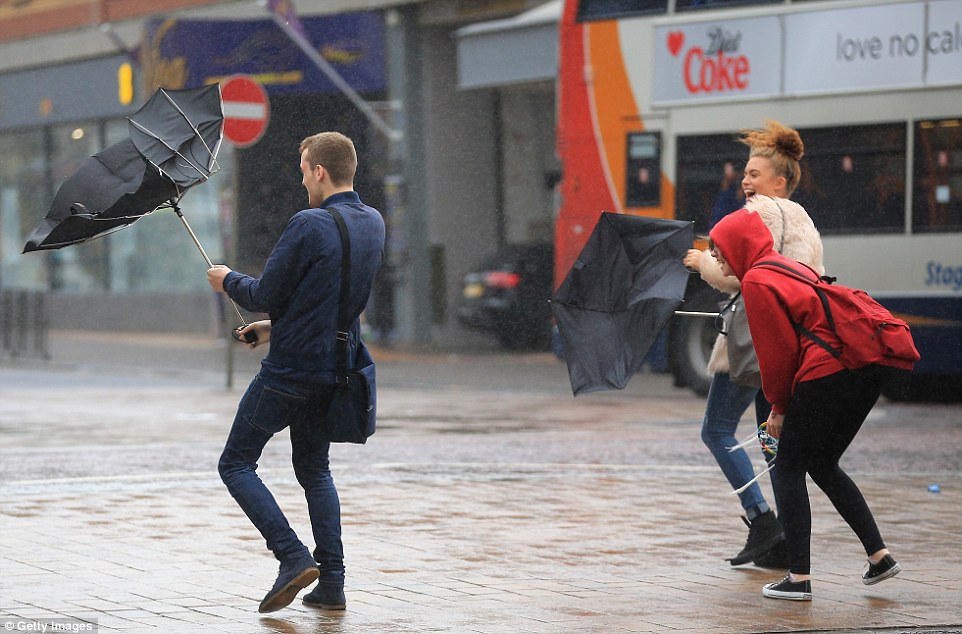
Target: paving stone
x: 475, y: 508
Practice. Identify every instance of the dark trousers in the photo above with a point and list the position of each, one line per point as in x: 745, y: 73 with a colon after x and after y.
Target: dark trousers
x: 268, y: 407
x: 822, y: 419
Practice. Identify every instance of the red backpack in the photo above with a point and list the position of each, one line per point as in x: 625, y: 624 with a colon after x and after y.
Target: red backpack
x: 867, y: 330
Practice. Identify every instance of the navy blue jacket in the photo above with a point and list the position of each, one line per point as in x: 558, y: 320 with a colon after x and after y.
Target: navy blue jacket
x: 300, y: 286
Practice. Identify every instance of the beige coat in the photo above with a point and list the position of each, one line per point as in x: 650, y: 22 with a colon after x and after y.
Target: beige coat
x: 801, y: 242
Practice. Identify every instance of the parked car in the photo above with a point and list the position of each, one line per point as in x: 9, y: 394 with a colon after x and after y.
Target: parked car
x: 507, y: 296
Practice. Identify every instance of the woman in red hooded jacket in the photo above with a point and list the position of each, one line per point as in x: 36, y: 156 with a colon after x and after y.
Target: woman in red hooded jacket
x: 817, y: 405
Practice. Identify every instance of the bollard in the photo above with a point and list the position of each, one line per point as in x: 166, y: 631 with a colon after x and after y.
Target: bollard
x: 25, y: 323
x: 6, y: 318
x: 41, y: 321
x: 20, y: 323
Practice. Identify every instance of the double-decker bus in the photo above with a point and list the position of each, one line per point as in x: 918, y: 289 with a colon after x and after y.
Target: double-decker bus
x: 652, y: 95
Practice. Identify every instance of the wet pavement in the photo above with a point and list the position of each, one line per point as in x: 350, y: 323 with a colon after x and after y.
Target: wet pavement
x: 489, y: 501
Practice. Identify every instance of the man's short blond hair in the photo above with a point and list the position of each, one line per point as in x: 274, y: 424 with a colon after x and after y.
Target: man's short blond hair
x: 335, y: 153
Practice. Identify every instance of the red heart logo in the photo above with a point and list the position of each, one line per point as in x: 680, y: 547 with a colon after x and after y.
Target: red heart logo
x: 676, y: 39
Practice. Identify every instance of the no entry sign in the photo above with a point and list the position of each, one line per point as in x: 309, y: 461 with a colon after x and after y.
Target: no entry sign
x: 246, y: 110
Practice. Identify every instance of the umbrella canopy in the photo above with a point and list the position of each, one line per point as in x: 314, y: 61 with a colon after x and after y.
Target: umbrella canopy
x: 179, y: 132
x: 112, y: 189
x: 618, y: 297
x: 173, y: 144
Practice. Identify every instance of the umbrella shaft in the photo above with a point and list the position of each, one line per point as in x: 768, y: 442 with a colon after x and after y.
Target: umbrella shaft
x: 210, y: 264
x: 193, y: 236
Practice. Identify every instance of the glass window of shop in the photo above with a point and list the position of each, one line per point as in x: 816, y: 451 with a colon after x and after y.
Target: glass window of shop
x: 853, y: 178
x: 937, y: 200
x: 22, y: 205
x: 154, y: 255
x: 81, y: 268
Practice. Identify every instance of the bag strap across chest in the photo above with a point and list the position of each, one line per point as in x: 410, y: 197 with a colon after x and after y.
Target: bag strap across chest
x: 343, y: 316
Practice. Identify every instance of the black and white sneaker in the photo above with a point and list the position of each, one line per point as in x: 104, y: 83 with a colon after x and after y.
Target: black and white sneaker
x: 885, y: 568
x: 790, y: 590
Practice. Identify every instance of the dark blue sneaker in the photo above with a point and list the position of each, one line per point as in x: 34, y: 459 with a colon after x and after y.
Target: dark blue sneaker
x: 326, y: 596
x: 293, y: 577
x: 885, y: 568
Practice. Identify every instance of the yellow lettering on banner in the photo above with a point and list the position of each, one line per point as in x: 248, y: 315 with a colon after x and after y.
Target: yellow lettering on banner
x: 285, y: 78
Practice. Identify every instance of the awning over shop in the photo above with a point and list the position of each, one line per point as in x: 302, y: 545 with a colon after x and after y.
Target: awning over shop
x: 502, y: 52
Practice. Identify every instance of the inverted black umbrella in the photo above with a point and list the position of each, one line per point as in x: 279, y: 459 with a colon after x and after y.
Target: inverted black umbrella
x: 173, y: 145
x: 618, y: 297
x: 112, y: 189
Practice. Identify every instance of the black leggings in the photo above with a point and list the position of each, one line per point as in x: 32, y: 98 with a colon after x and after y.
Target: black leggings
x: 822, y: 419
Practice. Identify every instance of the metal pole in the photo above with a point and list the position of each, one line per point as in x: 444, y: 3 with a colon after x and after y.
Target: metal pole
x: 691, y: 313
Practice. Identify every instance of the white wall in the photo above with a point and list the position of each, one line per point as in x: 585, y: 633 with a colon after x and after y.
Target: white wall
x: 528, y: 138
x: 461, y: 146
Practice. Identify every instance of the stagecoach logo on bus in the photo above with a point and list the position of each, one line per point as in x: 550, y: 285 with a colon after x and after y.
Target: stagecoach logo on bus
x: 812, y: 52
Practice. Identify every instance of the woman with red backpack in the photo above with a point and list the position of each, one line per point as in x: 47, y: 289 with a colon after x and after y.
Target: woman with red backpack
x: 818, y: 406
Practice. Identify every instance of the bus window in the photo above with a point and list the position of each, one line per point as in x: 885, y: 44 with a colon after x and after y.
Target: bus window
x: 853, y: 178
x: 686, y: 5
x: 606, y: 9
x: 937, y: 204
x: 709, y: 175
x: 643, y: 170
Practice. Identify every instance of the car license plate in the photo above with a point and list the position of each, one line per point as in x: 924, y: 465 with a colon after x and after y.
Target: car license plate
x: 473, y: 291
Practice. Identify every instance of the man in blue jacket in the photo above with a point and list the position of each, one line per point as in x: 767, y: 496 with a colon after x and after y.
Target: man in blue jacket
x: 299, y: 291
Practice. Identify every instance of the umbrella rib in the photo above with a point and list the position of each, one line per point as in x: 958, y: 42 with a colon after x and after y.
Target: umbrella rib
x: 196, y: 133
x: 116, y: 218
x: 57, y: 245
x: 168, y: 146
x: 95, y: 217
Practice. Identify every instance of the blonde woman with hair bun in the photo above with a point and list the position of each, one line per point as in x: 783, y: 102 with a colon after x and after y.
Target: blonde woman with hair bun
x: 771, y: 175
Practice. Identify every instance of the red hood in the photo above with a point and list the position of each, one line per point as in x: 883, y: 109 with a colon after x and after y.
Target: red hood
x: 743, y: 239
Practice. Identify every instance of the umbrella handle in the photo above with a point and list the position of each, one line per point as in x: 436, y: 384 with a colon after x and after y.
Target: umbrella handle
x: 210, y: 264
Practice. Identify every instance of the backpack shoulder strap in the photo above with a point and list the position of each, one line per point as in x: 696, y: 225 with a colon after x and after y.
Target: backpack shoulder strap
x: 784, y: 269
x: 772, y: 265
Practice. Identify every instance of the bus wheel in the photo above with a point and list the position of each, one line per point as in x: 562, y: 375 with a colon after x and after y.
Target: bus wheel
x: 925, y: 388
x: 691, y: 344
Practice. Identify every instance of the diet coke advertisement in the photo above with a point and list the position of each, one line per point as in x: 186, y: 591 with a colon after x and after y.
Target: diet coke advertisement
x: 727, y: 59
x: 890, y: 46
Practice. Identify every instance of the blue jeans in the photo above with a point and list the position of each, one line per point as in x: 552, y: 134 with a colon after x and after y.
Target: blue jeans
x: 727, y: 402
x: 269, y: 406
